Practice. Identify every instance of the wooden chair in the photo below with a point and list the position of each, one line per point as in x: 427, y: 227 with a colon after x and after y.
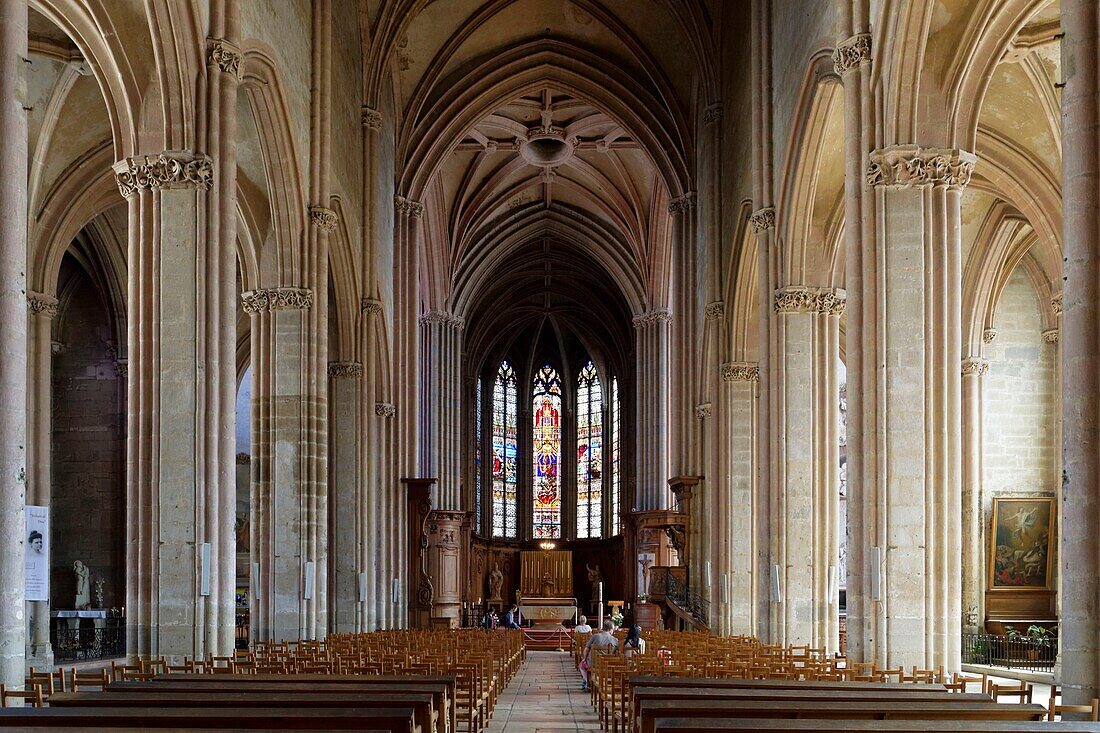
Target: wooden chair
x: 33, y: 696
x: 98, y: 679
x: 1023, y: 692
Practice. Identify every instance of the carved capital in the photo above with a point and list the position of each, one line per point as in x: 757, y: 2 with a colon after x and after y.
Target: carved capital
x: 974, y: 366
x: 712, y: 114
x: 385, y: 409
x: 715, y: 310
x: 345, y: 369
x: 762, y: 219
x: 1056, y: 304
x: 798, y: 299
x: 122, y: 368
x: 988, y: 335
x: 653, y: 317
x: 276, y: 299
x: 1051, y: 335
x: 243, y: 459
x: 170, y: 169
x: 372, y: 118
x: 831, y: 301
x: 851, y: 53
x: 223, y: 55
x: 432, y: 317
x: 370, y: 307
x: 740, y: 371
x: 903, y: 166
x: 455, y: 322
x: 703, y: 411
x: 41, y: 304
x: 408, y: 207
x: 323, y: 218
x: 682, y: 204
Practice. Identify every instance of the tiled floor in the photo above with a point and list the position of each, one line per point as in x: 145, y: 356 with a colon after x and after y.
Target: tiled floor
x: 545, y: 697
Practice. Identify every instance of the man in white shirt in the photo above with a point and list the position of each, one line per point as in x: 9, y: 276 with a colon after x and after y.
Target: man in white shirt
x: 603, y: 642
x: 582, y: 626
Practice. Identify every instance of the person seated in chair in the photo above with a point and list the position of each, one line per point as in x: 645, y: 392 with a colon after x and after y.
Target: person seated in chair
x: 602, y: 643
x: 511, y: 617
x: 582, y: 626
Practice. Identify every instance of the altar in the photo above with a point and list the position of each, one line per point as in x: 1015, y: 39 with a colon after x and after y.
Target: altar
x: 546, y: 587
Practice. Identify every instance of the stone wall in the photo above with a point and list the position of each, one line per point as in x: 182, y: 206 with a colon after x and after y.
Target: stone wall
x: 89, y: 491
x: 1020, y: 421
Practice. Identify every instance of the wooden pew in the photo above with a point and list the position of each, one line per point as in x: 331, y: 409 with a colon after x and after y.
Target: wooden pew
x: 648, y: 711
x: 392, y: 720
x: 102, y: 729
x: 766, y: 725
x: 424, y: 717
x: 737, y: 682
x: 441, y: 687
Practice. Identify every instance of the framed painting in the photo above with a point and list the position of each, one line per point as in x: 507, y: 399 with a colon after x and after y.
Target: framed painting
x: 1020, y: 544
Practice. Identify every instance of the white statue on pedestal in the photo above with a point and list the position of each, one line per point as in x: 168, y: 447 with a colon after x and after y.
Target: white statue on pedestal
x: 83, y: 599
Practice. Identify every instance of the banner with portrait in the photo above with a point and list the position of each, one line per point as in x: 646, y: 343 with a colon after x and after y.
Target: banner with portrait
x: 36, y: 567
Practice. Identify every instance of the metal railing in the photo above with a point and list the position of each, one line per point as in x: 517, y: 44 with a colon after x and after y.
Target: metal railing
x: 86, y: 641
x: 1012, y: 651
x: 685, y: 598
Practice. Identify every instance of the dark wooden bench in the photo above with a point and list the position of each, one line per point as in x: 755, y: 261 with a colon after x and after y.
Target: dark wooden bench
x: 648, y: 711
x: 391, y: 720
x: 441, y: 687
x: 101, y: 729
x: 772, y: 725
x: 740, y: 683
x: 424, y: 717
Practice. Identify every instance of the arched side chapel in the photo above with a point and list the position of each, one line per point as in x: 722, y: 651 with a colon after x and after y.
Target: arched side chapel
x: 765, y: 308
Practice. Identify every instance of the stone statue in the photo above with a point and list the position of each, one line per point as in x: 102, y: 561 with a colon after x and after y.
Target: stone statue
x: 594, y: 578
x: 496, y: 580
x: 99, y: 583
x: 83, y: 600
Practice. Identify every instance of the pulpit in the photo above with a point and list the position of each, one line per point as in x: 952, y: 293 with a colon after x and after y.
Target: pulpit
x: 546, y: 587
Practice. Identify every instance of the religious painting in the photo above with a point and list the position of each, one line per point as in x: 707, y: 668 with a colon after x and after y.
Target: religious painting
x: 1020, y: 551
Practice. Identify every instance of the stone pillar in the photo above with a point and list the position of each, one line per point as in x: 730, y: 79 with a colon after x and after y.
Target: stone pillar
x: 283, y: 504
x: 908, y: 497
x: 43, y: 309
x: 806, y: 473
x: 737, y: 510
x: 1079, y: 555
x: 346, y: 508
x: 974, y: 557
x: 653, y: 416
x: 685, y: 456
x: 174, y: 498
x: 441, y: 419
x: 219, y: 138
x: 13, y: 335
x: 406, y: 364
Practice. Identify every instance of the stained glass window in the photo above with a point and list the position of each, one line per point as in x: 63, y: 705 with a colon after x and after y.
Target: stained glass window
x: 589, y: 454
x: 477, y: 457
x: 546, y: 411
x: 616, y: 477
x: 504, y: 452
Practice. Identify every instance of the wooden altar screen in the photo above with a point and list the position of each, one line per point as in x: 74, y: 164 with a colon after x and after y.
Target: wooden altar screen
x: 546, y: 574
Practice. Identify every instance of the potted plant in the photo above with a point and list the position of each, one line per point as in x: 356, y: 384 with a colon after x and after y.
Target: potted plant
x: 1040, y: 638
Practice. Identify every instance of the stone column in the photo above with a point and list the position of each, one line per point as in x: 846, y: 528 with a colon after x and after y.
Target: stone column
x: 346, y: 508
x: 974, y: 556
x: 43, y: 309
x: 174, y: 497
x: 219, y: 138
x: 13, y: 335
x: 653, y: 417
x: 806, y: 473
x: 283, y: 509
x: 685, y: 455
x: 1079, y: 555
x: 908, y: 499
x: 737, y: 510
x: 406, y: 364
x: 441, y: 418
